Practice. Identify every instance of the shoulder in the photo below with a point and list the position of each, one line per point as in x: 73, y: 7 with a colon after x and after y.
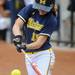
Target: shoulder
x: 27, y: 8
x: 53, y: 19
x: 26, y: 12
x: 52, y: 22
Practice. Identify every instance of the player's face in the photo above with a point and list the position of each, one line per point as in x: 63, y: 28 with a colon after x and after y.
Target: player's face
x: 41, y: 12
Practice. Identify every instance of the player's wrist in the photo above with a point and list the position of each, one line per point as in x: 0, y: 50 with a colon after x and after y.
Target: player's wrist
x: 17, y: 39
x: 19, y: 47
x: 23, y: 46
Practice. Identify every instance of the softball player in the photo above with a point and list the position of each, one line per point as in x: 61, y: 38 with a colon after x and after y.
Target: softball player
x: 40, y: 22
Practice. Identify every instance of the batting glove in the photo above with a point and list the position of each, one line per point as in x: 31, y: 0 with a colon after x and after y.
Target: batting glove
x: 17, y: 42
x: 20, y: 47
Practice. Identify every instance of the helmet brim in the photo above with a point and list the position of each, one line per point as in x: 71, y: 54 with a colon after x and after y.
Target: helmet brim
x: 42, y: 7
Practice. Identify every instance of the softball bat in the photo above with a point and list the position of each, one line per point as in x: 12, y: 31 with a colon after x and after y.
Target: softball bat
x: 34, y: 65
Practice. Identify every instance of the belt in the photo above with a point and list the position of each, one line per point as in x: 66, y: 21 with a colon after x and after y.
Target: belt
x: 38, y: 51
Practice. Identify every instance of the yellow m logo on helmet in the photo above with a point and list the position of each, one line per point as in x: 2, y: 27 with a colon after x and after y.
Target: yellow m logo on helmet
x: 42, y: 1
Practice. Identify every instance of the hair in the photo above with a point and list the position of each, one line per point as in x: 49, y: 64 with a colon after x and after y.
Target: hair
x: 54, y: 9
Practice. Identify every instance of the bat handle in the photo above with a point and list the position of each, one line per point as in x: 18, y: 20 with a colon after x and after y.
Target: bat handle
x: 26, y: 56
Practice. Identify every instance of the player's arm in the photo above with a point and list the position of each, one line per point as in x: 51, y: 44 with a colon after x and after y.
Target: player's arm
x: 38, y: 43
x: 35, y: 45
x: 23, y: 15
x: 17, y: 27
x: 17, y: 40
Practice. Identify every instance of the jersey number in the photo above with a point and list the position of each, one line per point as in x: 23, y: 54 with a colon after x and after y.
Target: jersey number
x: 34, y: 36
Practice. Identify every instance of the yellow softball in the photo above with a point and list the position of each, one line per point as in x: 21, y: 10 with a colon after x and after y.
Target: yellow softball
x: 16, y: 72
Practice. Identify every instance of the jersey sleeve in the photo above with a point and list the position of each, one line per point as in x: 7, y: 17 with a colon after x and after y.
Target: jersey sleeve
x: 49, y: 28
x: 25, y: 13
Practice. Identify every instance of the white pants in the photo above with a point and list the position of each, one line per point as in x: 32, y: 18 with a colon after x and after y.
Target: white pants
x: 43, y: 59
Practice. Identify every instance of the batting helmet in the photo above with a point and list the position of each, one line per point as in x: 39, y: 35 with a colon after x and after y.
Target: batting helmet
x: 45, y: 5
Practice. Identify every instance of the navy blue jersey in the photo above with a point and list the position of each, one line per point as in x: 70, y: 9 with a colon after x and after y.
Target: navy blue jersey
x: 38, y: 25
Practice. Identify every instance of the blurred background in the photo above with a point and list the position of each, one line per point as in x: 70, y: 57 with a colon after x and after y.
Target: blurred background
x: 65, y: 35
x: 63, y: 40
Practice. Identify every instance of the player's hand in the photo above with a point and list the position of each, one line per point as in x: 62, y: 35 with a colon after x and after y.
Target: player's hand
x: 18, y: 43
x: 21, y: 46
x: 17, y: 40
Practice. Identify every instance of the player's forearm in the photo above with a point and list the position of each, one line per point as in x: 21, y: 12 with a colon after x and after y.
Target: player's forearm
x: 17, y: 27
x: 37, y: 44
x: 16, y: 30
x: 33, y: 45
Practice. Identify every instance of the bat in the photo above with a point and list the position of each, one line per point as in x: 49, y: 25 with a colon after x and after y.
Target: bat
x: 34, y: 65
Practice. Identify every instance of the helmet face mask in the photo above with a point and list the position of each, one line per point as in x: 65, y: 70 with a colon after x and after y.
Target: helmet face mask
x: 45, y: 5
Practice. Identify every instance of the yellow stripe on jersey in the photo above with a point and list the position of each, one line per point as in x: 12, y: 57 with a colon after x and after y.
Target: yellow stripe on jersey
x: 34, y: 25
x: 39, y: 51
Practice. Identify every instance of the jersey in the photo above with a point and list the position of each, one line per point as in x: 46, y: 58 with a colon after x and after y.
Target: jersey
x: 38, y: 25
